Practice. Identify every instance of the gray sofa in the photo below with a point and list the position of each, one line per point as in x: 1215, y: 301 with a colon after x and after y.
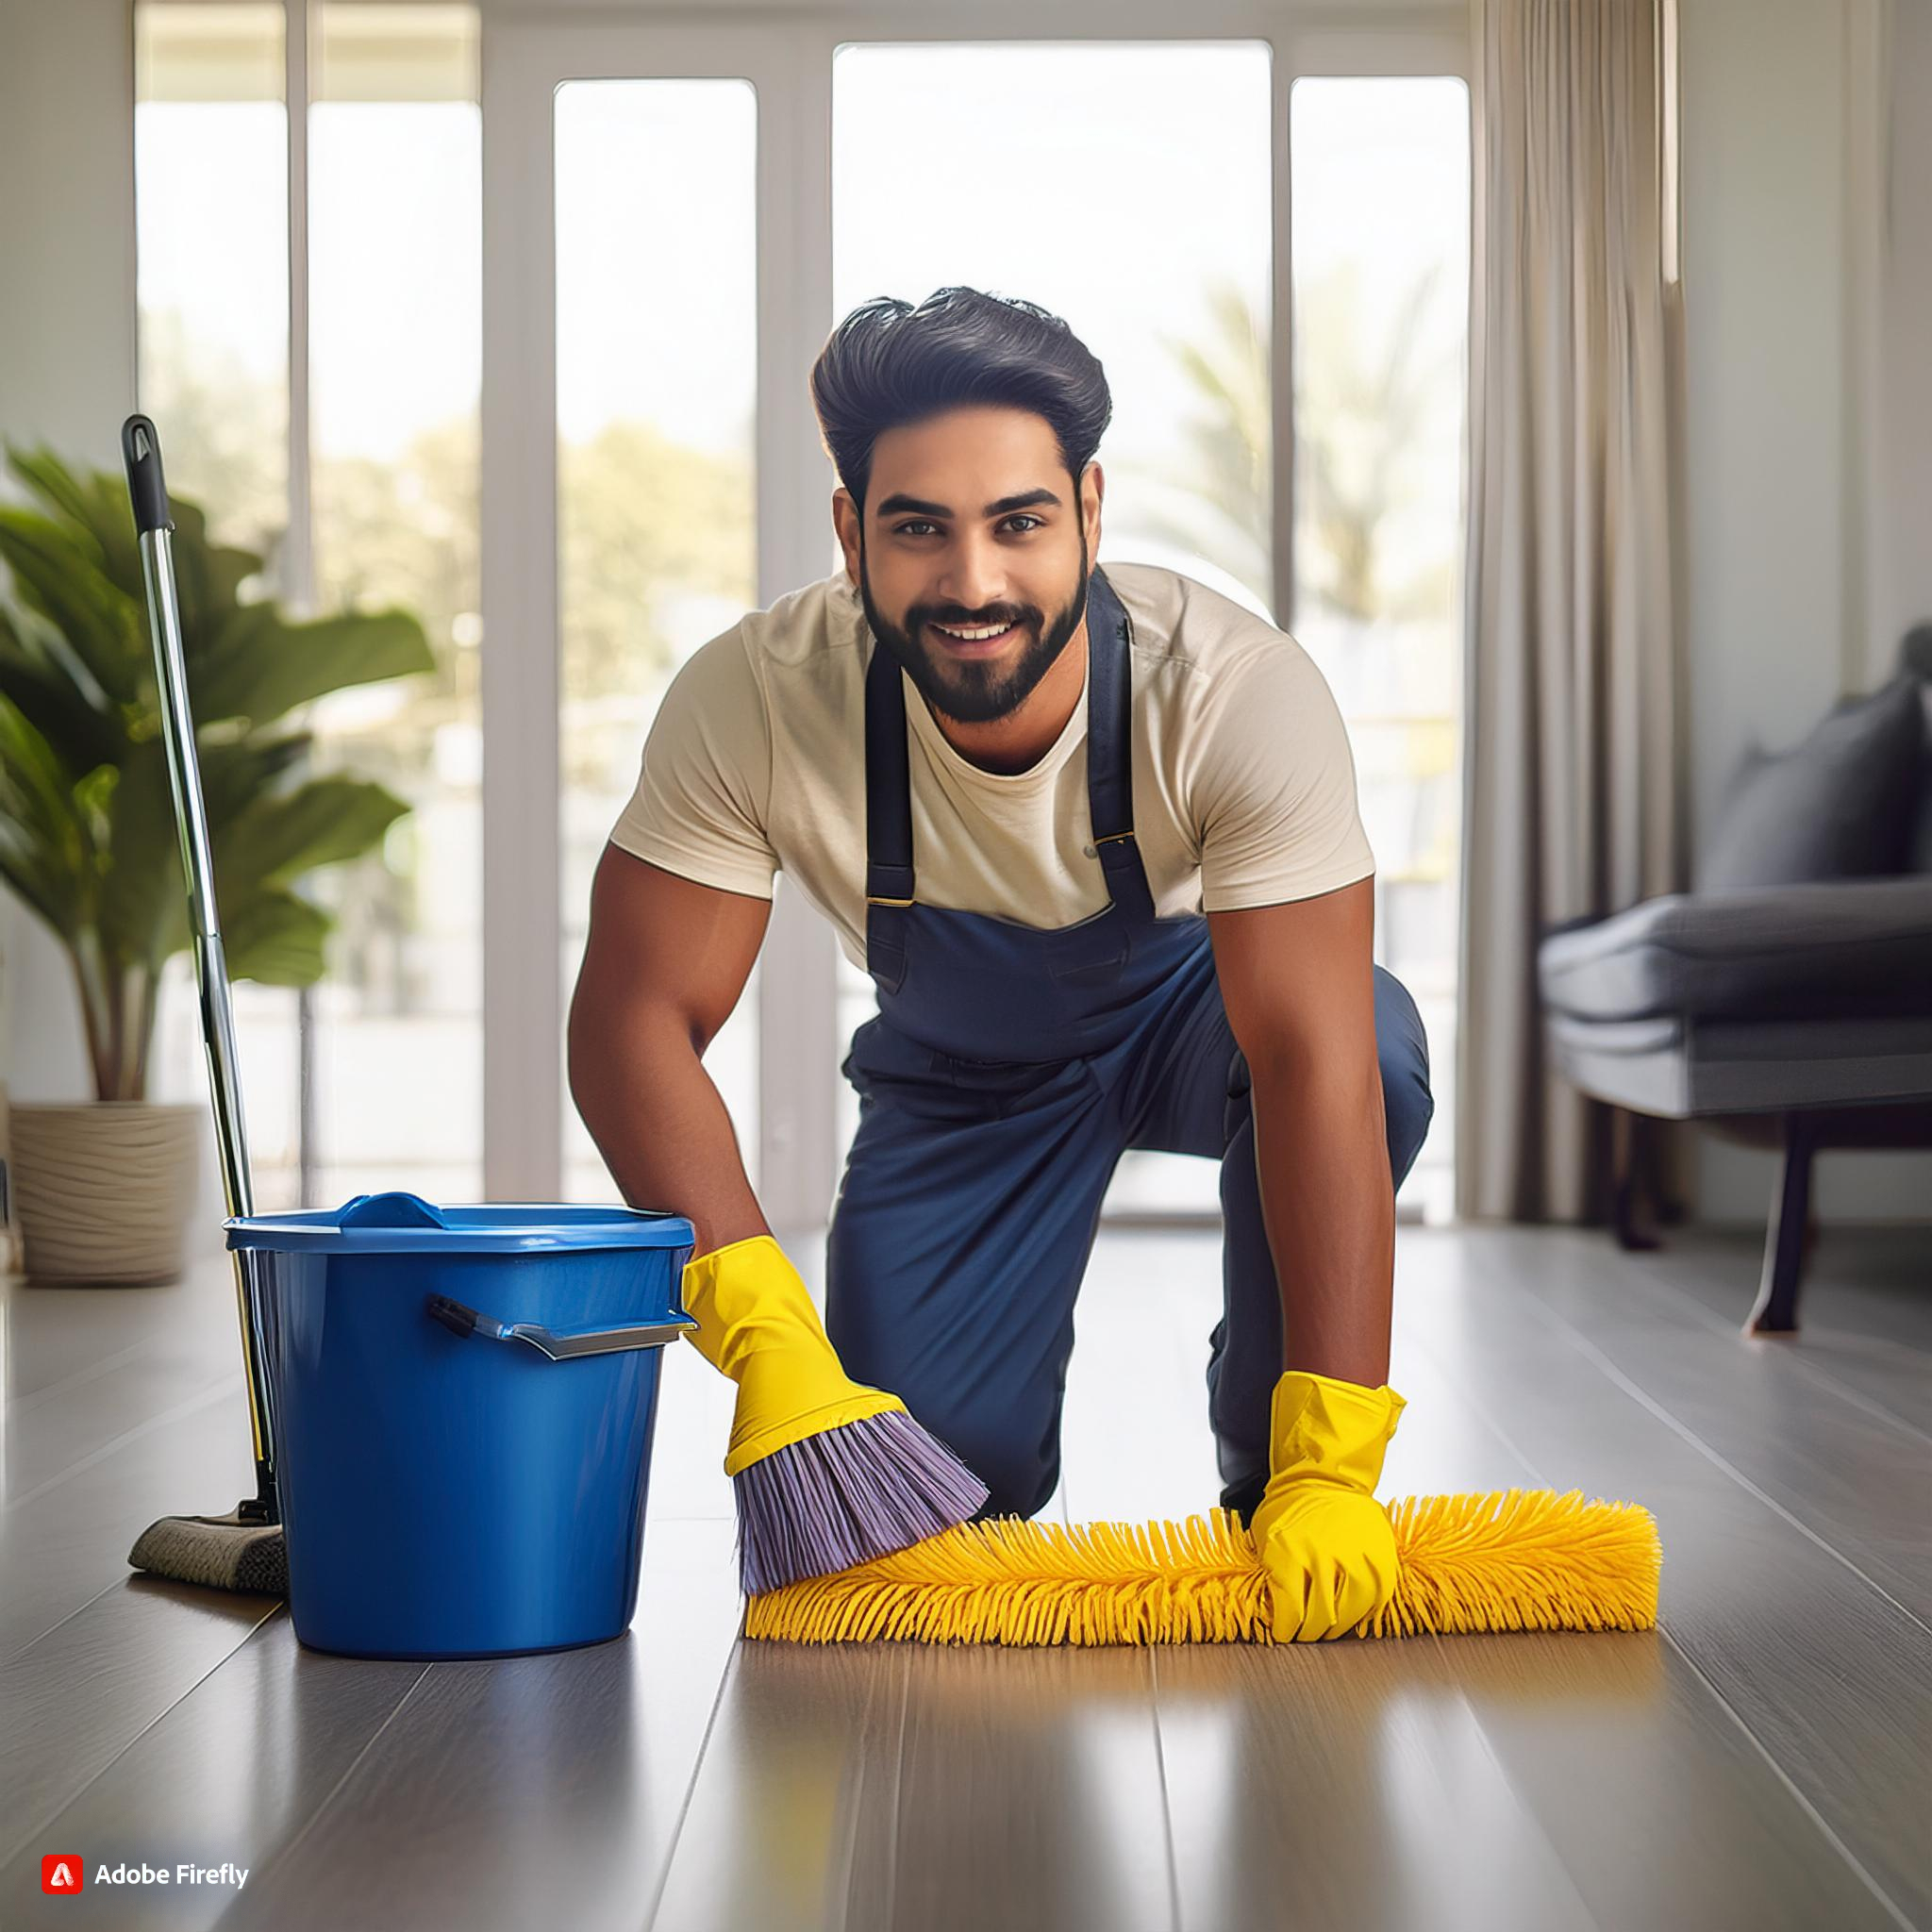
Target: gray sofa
x: 1788, y: 1000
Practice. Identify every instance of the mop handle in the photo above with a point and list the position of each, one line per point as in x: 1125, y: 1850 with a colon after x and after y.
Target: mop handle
x: 140, y: 448
x: 153, y: 527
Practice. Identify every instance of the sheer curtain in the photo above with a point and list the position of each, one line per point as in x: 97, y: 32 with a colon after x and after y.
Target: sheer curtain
x: 1576, y: 799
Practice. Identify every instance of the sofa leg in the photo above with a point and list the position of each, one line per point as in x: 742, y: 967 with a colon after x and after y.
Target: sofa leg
x: 1649, y: 1160
x: 1629, y: 1176
x: 1785, y: 1244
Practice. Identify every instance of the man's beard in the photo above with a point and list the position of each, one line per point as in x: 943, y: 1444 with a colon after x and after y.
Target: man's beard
x: 967, y: 689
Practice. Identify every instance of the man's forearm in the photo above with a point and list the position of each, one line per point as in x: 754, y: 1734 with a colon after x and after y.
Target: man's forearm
x: 1328, y: 1203
x: 664, y: 1130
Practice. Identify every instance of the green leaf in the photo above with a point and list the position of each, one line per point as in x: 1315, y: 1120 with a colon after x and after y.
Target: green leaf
x: 99, y: 506
x: 276, y: 939
x: 78, y: 734
x: 88, y: 821
x: 19, y: 869
x: 237, y: 774
x: 59, y: 574
x: 143, y: 904
x: 93, y: 800
x: 44, y: 826
x: 206, y: 576
x: 261, y: 665
x: 326, y: 822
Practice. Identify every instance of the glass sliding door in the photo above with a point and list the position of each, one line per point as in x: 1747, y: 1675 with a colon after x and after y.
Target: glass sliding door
x: 1380, y: 220
x: 656, y: 365
x: 352, y: 465
x: 1252, y: 235
x: 651, y: 303
x: 212, y: 163
x: 395, y: 364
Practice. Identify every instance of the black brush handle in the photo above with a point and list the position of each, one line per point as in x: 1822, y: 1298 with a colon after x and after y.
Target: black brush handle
x: 147, y: 488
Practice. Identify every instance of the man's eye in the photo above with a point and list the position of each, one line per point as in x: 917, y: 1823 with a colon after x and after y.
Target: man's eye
x: 920, y: 523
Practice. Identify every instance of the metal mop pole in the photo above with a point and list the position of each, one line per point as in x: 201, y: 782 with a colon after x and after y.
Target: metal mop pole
x: 140, y: 448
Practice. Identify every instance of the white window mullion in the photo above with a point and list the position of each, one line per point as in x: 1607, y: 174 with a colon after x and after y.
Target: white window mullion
x: 296, y: 576
x: 798, y: 1052
x: 523, y: 1006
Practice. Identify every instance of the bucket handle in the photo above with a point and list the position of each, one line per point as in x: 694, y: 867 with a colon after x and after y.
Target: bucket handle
x: 558, y: 1344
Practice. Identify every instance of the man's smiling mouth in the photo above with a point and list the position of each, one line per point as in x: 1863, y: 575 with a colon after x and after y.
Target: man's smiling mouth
x: 974, y: 639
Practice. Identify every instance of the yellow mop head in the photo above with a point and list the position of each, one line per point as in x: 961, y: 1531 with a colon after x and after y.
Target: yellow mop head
x: 1510, y: 1559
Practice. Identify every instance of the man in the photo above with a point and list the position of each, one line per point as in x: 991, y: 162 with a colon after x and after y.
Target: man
x: 1094, y: 833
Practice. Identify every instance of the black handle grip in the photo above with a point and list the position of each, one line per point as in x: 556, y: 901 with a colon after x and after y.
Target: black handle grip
x: 452, y: 1314
x: 140, y: 449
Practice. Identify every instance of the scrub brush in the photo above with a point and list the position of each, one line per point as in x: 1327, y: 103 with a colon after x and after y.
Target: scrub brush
x: 827, y: 1471
x: 1507, y: 1559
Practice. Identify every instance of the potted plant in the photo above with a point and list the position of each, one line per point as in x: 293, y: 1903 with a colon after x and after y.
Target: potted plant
x: 89, y: 841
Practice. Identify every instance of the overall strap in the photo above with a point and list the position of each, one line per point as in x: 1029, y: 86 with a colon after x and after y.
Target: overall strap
x: 888, y: 821
x: 887, y: 784
x: 1110, y: 750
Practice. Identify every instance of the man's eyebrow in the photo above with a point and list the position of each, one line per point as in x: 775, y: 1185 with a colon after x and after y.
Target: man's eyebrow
x: 901, y: 505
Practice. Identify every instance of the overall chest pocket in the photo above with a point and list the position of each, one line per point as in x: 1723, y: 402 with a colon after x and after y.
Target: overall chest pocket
x: 1091, y: 953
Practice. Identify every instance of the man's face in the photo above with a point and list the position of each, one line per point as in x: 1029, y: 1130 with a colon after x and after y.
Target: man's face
x: 971, y: 520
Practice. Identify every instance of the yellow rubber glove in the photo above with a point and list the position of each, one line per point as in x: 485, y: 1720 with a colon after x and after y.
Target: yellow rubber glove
x: 1326, y: 1543
x: 757, y: 1323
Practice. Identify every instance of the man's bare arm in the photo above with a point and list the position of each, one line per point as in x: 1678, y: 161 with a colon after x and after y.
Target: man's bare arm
x: 665, y: 963
x: 1298, y: 983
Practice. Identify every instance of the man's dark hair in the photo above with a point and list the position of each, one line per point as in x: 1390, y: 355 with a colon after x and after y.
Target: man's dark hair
x: 888, y: 364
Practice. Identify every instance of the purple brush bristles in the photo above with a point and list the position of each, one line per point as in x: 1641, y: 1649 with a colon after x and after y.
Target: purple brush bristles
x: 845, y: 1496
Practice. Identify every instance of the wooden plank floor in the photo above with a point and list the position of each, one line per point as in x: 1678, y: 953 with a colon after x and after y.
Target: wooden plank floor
x: 1763, y: 1759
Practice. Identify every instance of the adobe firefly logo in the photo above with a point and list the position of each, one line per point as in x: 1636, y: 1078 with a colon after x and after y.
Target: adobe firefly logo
x: 62, y: 1872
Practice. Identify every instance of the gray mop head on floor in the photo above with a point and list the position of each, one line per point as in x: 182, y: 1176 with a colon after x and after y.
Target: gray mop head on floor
x: 222, y: 1552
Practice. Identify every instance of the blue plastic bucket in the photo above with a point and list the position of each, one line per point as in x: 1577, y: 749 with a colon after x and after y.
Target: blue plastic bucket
x: 462, y: 1402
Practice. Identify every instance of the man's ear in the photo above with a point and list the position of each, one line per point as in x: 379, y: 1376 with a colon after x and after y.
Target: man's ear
x: 845, y: 517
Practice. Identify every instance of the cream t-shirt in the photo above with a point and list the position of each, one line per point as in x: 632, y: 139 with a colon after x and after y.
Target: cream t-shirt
x: 1244, y: 789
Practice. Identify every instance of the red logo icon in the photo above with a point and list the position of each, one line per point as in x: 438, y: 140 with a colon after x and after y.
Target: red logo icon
x: 60, y: 1873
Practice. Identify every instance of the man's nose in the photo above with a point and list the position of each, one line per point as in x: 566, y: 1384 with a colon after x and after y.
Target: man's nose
x: 975, y: 578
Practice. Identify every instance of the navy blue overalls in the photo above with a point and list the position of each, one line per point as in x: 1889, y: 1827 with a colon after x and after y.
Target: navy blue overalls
x: 1007, y: 1070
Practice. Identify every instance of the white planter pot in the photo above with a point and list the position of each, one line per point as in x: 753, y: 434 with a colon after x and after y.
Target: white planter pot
x: 103, y: 1189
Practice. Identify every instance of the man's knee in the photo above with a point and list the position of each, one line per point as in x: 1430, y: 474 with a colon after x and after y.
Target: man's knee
x: 1000, y: 1441
x: 1407, y: 1106
x: 1019, y: 1475
x: 1402, y: 1047
x: 1017, y: 1493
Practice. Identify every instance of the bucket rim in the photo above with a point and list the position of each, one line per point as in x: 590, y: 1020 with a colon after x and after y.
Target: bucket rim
x: 471, y: 1227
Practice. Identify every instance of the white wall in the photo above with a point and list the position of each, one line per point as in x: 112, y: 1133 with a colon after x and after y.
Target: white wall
x: 1905, y: 467
x: 1799, y: 401
x: 67, y: 364
x: 67, y: 378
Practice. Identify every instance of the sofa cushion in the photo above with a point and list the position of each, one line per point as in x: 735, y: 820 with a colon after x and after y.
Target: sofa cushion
x: 1838, y: 804
x: 1844, y: 946
x: 1915, y: 656
x: 1918, y: 855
